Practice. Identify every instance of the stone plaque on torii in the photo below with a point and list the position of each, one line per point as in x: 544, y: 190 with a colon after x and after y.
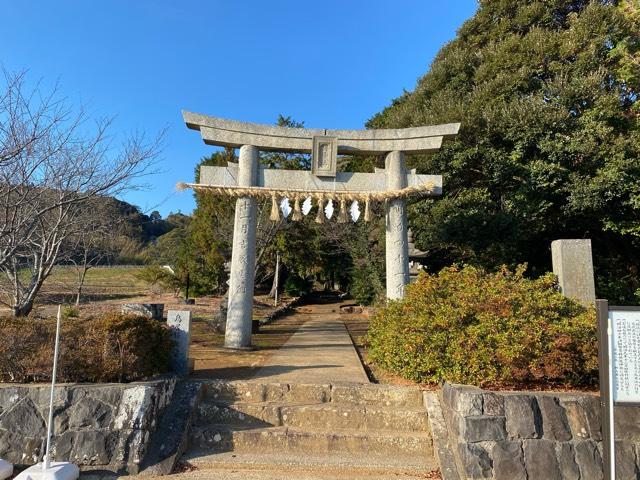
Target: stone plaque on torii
x: 248, y: 179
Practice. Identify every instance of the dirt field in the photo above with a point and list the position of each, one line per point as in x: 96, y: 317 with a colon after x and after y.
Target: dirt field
x: 212, y: 360
x: 101, y: 284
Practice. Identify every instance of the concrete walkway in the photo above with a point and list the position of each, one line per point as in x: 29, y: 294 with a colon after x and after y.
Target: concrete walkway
x: 321, y: 351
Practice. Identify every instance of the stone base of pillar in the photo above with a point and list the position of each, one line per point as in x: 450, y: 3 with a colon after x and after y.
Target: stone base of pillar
x: 239, y: 349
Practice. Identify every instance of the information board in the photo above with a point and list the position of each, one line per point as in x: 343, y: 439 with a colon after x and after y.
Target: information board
x: 625, y: 325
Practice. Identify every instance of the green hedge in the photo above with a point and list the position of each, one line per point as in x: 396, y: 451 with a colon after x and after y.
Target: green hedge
x: 109, y: 348
x: 489, y: 329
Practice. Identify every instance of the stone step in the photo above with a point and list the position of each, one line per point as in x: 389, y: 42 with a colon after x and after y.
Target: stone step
x: 324, y: 416
x: 278, y: 472
x: 335, y: 416
x: 264, y: 414
x: 377, y: 395
x: 254, y: 392
x: 227, y: 438
x: 292, y: 465
x: 294, y: 474
x: 301, y: 394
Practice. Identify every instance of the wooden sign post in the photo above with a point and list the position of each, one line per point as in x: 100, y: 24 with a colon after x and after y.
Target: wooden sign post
x: 619, y: 362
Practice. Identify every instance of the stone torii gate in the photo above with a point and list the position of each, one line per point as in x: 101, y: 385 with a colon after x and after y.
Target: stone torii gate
x: 324, y: 145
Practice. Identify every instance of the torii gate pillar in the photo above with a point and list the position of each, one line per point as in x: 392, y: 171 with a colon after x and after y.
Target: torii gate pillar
x: 397, y: 244
x: 243, y: 256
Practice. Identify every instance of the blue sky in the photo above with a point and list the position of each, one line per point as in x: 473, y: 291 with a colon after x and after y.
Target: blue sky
x: 331, y: 64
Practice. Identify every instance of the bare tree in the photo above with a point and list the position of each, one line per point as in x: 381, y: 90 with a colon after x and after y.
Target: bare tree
x: 92, y: 242
x: 50, y: 167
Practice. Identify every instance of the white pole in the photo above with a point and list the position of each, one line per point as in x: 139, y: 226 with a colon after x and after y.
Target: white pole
x: 45, y: 464
x: 612, y: 435
x: 275, y: 297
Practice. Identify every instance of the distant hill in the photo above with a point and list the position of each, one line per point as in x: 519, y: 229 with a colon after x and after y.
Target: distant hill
x: 142, y: 227
x: 138, y: 231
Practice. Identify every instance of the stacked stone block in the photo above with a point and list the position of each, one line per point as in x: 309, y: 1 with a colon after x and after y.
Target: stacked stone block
x: 524, y: 435
x: 100, y: 426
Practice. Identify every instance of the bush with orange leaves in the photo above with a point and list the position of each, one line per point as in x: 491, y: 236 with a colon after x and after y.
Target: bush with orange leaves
x: 501, y: 329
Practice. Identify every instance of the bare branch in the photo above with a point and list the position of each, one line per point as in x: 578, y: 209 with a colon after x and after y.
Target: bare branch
x: 50, y: 172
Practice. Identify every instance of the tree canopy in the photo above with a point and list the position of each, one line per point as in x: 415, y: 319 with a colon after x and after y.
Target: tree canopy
x: 547, y: 94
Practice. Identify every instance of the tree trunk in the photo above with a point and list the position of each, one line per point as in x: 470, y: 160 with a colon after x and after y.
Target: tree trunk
x: 81, y: 277
x: 274, y: 285
x: 23, y: 310
x: 78, y: 295
x: 272, y: 292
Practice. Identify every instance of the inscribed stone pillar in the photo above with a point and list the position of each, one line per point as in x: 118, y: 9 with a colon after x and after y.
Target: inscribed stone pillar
x: 397, y: 245
x: 180, y: 323
x: 243, y: 256
x: 573, y: 265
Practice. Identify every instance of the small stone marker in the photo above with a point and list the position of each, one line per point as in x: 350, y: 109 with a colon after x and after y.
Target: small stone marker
x: 180, y: 323
x: 573, y: 264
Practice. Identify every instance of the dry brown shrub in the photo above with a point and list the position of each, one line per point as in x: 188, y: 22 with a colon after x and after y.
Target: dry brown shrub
x: 109, y: 348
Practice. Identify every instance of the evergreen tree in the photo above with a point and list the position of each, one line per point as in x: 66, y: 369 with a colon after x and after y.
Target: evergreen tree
x: 206, y: 243
x: 547, y: 93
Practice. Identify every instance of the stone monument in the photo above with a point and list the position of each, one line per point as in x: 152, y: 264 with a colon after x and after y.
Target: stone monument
x: 180, y: 323
x: 247, y: 178
x: 573, y: 265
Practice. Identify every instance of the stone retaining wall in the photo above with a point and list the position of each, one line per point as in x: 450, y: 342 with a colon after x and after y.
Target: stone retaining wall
x: 282, y: 310
x: 535, y: 435
x: 97, y: 426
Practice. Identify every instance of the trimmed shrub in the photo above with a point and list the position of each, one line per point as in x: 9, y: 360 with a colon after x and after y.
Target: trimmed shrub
x: 296, y: 286
x: 110, y: 348
x: 465, y: 325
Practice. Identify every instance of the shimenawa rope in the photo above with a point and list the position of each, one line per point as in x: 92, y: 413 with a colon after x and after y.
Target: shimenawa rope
x: 320, y: 195
x: 265, y: 192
